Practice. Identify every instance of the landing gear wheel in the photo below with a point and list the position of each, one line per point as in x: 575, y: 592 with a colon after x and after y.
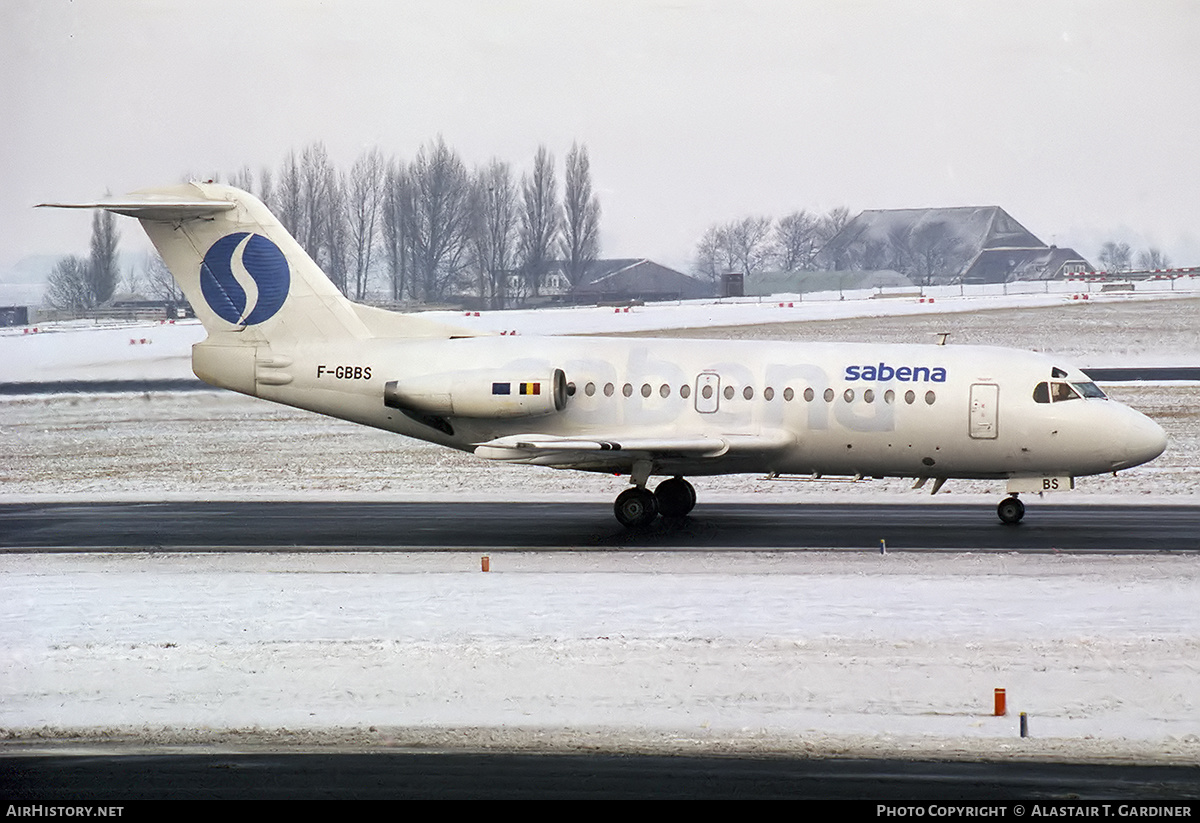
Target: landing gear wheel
x: 636, y: 508
x: 676, y: 497
x: 1011, y: 510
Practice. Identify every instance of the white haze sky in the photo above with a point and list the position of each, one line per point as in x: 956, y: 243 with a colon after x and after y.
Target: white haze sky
x: 1080, y: 117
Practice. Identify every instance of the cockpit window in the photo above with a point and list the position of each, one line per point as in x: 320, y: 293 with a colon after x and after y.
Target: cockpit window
x: 1090, y: 390
x: 1057, y: 392
x: 1062, y: 391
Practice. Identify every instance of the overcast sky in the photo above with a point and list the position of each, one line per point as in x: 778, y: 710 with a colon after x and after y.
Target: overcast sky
x: 1080, y: 117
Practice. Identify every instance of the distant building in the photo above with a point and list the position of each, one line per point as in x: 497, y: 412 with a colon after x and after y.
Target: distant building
x: 14, y: 315
x: 976, y: 244
x: 1007, y: 264
x: 620, y: 280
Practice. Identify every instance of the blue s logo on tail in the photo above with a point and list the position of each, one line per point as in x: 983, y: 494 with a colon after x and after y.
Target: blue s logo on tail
x: 244, y: 278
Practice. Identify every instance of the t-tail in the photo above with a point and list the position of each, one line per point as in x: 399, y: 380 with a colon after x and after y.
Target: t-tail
x: 255, y: 289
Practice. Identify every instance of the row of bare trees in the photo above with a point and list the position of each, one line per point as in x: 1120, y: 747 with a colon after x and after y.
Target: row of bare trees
x: 753, y: 245
x: 429, y: 228
x: 1118, y: 257
x: 800, y: 241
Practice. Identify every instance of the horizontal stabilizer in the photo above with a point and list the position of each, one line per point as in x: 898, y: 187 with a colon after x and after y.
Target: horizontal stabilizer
x: 152, y: 206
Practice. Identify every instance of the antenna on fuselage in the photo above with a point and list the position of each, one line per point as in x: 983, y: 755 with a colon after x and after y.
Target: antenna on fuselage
x: 942, y: 337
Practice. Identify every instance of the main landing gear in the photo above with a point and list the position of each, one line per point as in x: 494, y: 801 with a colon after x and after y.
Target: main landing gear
x: 1011, y: 510
x: 637, y: 507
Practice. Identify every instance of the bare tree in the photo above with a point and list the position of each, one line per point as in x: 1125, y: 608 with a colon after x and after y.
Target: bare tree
x: 440, y: 220
x: 335, y: 246
x: 712, y: 258
x: 494, y: 230
x: 872, y: 255
x: 266, y: 191
x: 744, y: 246
x: 1152, y: 259
x: 750, y: 244
x: 796, y: 241
x: 933, y: 253
x: 315, y: 180
x: 581, y: 217
x: 1116, y: 257
x: 364, y: 204
x: 161, y: 284
x: 103, y: 271
x: 539, y: 224
x: 832, y: 223
x: 242, y: 179
x: 67, y: 288
x: 397, y: 219
x: 289, y: 199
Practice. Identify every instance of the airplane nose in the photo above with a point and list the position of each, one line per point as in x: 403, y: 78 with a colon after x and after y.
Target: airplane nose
x: 1144, y: 441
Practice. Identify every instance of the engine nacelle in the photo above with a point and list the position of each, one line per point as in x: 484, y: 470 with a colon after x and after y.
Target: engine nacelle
x: 485, y: 393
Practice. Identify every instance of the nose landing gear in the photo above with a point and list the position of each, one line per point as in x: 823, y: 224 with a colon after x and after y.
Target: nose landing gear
x: 1011, y: 510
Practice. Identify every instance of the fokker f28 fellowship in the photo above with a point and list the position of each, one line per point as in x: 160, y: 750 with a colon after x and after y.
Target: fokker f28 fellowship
x: 278, y: 329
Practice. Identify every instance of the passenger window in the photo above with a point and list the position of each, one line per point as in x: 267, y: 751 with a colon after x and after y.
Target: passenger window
x: 930, y: 397
x: 828, y: 395
x: 589, y: 389
x: 664, y: 390
x: 869, y: 396
x: 729, y: 392
x: 809, y: 394
x: 748, y: 393
x: 627, y: 390
x: 646, y: 390
x: 788, y: 394
x: 685, y: 391
x: 768, y: 393
x: 848, y: 395
x: 909, y: 397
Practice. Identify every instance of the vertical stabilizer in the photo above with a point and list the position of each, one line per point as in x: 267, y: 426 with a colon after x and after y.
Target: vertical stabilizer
x: 246, y: 277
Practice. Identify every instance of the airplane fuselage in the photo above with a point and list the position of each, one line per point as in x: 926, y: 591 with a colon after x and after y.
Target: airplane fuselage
x: 836, y: 409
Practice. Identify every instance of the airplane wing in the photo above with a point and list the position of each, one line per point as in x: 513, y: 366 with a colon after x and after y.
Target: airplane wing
x: 553, y: 450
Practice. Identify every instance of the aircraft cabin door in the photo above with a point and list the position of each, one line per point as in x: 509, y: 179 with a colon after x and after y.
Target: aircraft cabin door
x: 708, y: 392
x: 985, y: 411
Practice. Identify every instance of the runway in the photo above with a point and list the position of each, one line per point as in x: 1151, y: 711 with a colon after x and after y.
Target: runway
x: 138, y: 776
x: 485, y: 526
x: 150, y: 639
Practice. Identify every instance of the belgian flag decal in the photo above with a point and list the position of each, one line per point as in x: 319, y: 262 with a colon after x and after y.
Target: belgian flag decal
x: 522, y: 388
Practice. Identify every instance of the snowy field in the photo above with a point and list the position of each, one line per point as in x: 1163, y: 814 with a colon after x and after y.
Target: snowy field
x: 806, y: 653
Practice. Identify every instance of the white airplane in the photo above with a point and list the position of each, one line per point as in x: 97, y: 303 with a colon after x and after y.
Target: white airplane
x: 278, y: 329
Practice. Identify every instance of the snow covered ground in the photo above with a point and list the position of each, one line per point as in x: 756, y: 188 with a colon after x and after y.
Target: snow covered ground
x: 1153, y: 327
x: 806, y: 653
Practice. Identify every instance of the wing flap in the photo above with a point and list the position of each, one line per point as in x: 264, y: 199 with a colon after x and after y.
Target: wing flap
x: 550, y: 449
x: 546, y: 449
